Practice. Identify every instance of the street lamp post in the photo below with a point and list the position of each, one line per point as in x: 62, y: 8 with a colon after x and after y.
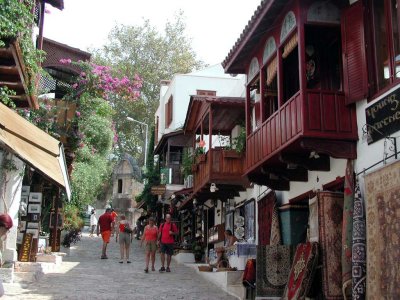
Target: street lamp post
x: 145, y: 145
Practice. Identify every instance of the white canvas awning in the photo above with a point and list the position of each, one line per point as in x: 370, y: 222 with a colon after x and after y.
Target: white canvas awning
x: 34, y: 146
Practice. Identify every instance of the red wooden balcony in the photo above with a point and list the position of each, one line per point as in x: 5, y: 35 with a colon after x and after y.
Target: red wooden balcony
x: 14, y: 76
x: 222, y: 167
x: 300, y: 136
x: 215, y: 117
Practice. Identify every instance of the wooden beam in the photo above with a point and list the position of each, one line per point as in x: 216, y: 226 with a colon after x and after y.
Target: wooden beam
x: 334, y: 148
x: 312, y: 164
x: 12, y: 85
x: 9, y: 70
x: 274, y: 184
x: 298, y: 174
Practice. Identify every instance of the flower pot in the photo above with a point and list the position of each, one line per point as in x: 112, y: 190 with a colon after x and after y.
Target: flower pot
x: 200, y: 158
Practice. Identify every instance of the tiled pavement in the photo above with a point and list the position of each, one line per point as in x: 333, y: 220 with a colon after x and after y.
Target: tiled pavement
x: 83, y: 275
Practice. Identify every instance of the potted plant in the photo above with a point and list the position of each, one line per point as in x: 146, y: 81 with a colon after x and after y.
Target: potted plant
x: 198, y: 249
x: 238, y: 145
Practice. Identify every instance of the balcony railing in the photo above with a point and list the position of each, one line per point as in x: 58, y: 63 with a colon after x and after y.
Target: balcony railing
x: 312, y: 114
x: 218, y: 166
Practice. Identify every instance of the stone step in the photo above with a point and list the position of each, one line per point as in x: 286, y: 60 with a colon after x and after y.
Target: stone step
x: 27, y: 277
x: 237, y: 290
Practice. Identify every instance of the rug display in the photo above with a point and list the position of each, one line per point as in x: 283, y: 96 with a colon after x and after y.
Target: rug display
x: 359, y: 259
x: 293, y: 220
x: 302, y: 272
x: 313, y: 220
x: 347, y: 231
x: 265, y: 213
x: 276, y: 238
x: 382, y: 200
x: 273, y: 267
x: 330, y: 217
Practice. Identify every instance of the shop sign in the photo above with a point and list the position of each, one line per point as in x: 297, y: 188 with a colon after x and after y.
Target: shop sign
x: 26, y: 248
x: 158, y: 190
x: 383, y: 117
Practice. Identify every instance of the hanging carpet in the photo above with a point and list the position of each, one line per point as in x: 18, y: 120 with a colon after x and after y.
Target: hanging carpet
x: 273, y: 269
x: 330, y: 218
x: 302, y: 272
x: 382, y: 194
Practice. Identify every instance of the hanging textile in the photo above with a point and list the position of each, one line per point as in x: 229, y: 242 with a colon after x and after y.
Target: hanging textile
x: 274, y: 263
x: 359, y: 262
x: 313, y: 220
x: 382, y: 194
x: 265, y: 212
x: 276, y: 238
x: 302, y: 272
x: 290, y: 46
x: 272, y: 70
x: 347, y: 230
x: 330, y: 217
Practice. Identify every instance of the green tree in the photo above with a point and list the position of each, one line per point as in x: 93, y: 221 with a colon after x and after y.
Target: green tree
x: 155, y: 56
x: 152, y: 177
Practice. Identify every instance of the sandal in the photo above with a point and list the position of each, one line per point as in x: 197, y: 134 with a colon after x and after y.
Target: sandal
x: 128, y: 261
x: 146, y: 270
x: 167, y: 270
x: 121, y: 261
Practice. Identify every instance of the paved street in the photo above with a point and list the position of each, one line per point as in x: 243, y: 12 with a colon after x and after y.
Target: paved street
x: 83, y: 275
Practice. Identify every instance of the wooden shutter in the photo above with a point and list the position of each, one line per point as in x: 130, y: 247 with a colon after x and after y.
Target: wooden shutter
x: 354, y: 56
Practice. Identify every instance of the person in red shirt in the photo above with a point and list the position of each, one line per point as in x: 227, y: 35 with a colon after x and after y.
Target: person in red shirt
x: 166, y: 235
x: 104, y: 226
x: 149, y: 237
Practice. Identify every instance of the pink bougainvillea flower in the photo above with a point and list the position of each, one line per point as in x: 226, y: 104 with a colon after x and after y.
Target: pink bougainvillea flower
x: 78, y: 114
x: 65, y: 61
x: 75, y: 85
x: 202, y: 143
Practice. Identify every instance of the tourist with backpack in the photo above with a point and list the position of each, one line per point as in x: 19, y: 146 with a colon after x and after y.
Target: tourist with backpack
x: 166, y: 239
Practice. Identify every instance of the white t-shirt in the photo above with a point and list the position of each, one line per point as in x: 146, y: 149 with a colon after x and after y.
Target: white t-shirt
x: 93, y: 220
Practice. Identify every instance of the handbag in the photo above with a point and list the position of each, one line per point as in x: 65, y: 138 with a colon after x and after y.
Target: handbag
x: 127, y: 229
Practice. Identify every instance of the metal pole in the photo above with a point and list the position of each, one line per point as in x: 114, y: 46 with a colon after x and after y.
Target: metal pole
x: 146, y: 139
x: 145, y: 147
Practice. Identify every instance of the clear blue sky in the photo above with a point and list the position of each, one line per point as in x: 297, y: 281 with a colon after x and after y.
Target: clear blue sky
x: 213, y: 25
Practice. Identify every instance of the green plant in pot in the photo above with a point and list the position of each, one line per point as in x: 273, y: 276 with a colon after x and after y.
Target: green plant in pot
x: 198, y: 249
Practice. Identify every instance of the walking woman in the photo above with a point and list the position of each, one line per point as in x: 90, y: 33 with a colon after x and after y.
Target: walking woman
x: 125, y: 239
x: 149, y: 236
x: 93, y: 222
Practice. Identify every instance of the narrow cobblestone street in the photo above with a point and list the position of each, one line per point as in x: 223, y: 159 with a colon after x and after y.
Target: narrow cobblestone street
x: 83, y: 275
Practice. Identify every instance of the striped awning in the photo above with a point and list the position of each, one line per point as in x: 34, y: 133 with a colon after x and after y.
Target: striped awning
x: 34, y: 146
x: 290, y: 45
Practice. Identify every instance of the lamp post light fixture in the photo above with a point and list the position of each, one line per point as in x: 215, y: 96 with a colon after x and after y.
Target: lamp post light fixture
x: 145, y: 145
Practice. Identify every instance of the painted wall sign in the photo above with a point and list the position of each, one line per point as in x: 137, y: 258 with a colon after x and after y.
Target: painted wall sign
x: 383, y: 117
x: 25, y: 251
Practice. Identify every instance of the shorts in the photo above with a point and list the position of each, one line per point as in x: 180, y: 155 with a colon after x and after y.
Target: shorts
x: 167, y: 249
x: 124, y: 238
x: 105, y: 235
x: 151, y: 246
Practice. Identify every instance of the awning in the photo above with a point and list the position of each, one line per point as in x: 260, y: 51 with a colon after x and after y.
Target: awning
x: 34, y: 146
